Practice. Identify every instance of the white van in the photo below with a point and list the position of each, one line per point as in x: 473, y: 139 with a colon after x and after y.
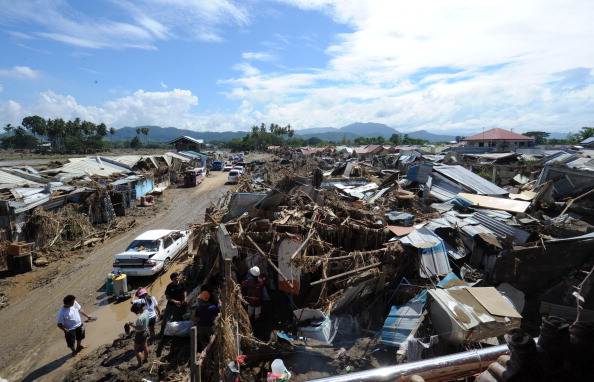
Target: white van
x: 233, y: 176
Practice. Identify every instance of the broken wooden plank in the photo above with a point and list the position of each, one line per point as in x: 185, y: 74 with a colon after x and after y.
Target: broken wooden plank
x: 346, y: 273
x: 298, y: 250
x: 268, y: 259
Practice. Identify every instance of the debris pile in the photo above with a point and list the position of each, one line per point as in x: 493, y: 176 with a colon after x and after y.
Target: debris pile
x: 423, y: 260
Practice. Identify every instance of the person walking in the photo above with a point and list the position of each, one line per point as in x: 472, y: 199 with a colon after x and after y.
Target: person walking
x: 176, y: 294
x: 206, y: 313
x: 253, y: 289
x: 152, y: 306
x: 70, y: 323
x: 141, y: 332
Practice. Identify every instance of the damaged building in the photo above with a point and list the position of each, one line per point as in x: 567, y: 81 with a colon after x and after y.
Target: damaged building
x: 370, y: 265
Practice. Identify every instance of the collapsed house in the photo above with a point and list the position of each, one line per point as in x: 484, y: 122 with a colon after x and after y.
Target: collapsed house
x: 363, y: 264
x: 47, y: 206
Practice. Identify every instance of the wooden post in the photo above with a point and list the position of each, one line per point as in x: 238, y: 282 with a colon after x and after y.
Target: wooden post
x: 194, y: 370
x: 227, y: 294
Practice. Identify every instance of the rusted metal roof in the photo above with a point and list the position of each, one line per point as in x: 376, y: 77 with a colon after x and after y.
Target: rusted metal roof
x: 497, y: 134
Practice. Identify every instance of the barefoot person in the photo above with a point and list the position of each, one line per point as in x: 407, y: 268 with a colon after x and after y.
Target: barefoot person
x: 141, y: 332
x: 70, y: 323
x: 152, y: 305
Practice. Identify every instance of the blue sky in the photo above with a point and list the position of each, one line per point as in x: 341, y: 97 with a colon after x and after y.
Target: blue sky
x: 223, y: 65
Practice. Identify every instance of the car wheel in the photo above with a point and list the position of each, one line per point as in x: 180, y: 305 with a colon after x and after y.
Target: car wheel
x: 166, y: 264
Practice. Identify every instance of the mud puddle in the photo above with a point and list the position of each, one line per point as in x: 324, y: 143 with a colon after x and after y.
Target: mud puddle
x: 52, y: 360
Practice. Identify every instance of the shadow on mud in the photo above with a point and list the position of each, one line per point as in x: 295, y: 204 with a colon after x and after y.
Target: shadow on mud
x: 46, y: 369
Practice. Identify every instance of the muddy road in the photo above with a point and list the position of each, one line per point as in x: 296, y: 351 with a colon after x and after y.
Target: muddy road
x: 31, y: 346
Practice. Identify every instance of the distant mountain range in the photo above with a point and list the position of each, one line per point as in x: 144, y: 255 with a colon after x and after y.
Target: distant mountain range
x: 352, y: 131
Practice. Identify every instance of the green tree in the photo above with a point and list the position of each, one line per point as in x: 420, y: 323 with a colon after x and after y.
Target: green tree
x: 314, y: 141
x: 101, y: 130
x: 135, y: 142
x: 396, y: 139
x: 586, y: 133
x: 36, y: 125
x: 138, y: 131
x: 9, y: 128
x: 145, y: 132
x: 540, y: 137
x: 405, y: 139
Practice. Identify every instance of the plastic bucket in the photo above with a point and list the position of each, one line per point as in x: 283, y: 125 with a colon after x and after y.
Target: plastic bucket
x: 279, y: 370
x: 120, y: 285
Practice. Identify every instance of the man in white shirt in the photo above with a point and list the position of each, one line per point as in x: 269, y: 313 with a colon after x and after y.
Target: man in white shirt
x: 70, y: 323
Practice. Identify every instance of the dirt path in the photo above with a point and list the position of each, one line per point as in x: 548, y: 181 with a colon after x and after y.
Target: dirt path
x: 31, y: 347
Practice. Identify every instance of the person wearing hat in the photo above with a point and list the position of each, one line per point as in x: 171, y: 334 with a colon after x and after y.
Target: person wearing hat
x: 253, y: 290
x: 205, y: 316
x: 152, y: 306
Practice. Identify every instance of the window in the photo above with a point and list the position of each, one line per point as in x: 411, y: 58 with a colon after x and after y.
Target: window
x: 167, y: 242
x: 522, y: 143
x: 481, y: 144
x: 192, y: 147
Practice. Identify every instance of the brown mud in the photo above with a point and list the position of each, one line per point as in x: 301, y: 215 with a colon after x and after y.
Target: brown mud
x: 32, y: 348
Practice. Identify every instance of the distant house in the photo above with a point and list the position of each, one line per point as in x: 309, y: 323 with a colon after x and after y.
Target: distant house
x: 499, y: 139
x: 588, y: 142
x: 185, y: 143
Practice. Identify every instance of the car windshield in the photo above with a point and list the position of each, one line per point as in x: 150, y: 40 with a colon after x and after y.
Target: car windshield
x: 143, y: 246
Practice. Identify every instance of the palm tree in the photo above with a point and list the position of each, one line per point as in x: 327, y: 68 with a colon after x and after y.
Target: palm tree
x: 8, y: 128
x: 145, y: 131
x: 112, y: 132
x: 138, y: 131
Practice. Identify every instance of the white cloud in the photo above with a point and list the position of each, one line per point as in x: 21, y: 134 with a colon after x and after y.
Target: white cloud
x: 20, y: 72
x: 258, y: 56
x: 145, y: 22
x: 246, y: 69
x: 164, y: 85
x: 141, y: 108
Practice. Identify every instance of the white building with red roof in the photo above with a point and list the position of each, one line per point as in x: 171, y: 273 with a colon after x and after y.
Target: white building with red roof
x: 499, y: 139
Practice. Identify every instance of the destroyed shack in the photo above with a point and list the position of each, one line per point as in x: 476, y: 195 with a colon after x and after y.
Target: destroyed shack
x: 365, y: 268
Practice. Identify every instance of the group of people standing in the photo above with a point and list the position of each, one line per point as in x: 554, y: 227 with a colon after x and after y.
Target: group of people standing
x: 146, y: 307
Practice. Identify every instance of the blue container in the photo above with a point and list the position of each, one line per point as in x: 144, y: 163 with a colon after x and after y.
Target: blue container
x: 109, y: 284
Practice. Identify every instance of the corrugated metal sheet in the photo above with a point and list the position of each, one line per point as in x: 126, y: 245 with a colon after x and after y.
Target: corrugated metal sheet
x: 501, y: 229
x: 8, y: 180
x: 434, y: 259
x: 400, y: 323
x: 88, y: 166
x: 176, y: 155
x: 125, y: 160
x: 470, y: 180
x: 30, y: 203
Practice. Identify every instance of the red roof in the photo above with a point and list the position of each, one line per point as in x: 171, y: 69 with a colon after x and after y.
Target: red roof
x: 498, y: 135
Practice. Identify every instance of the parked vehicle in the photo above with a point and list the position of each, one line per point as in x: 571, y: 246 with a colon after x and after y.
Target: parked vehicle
x: 193, y: 177
x: 227, y: 167
x: 233, y: 176
x: 217, y: 165
x: 241, y: 169
x: 151, y: 252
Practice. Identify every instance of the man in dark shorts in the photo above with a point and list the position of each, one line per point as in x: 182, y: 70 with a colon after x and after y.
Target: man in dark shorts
x: 70, y: 323
x: 176, y: 294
